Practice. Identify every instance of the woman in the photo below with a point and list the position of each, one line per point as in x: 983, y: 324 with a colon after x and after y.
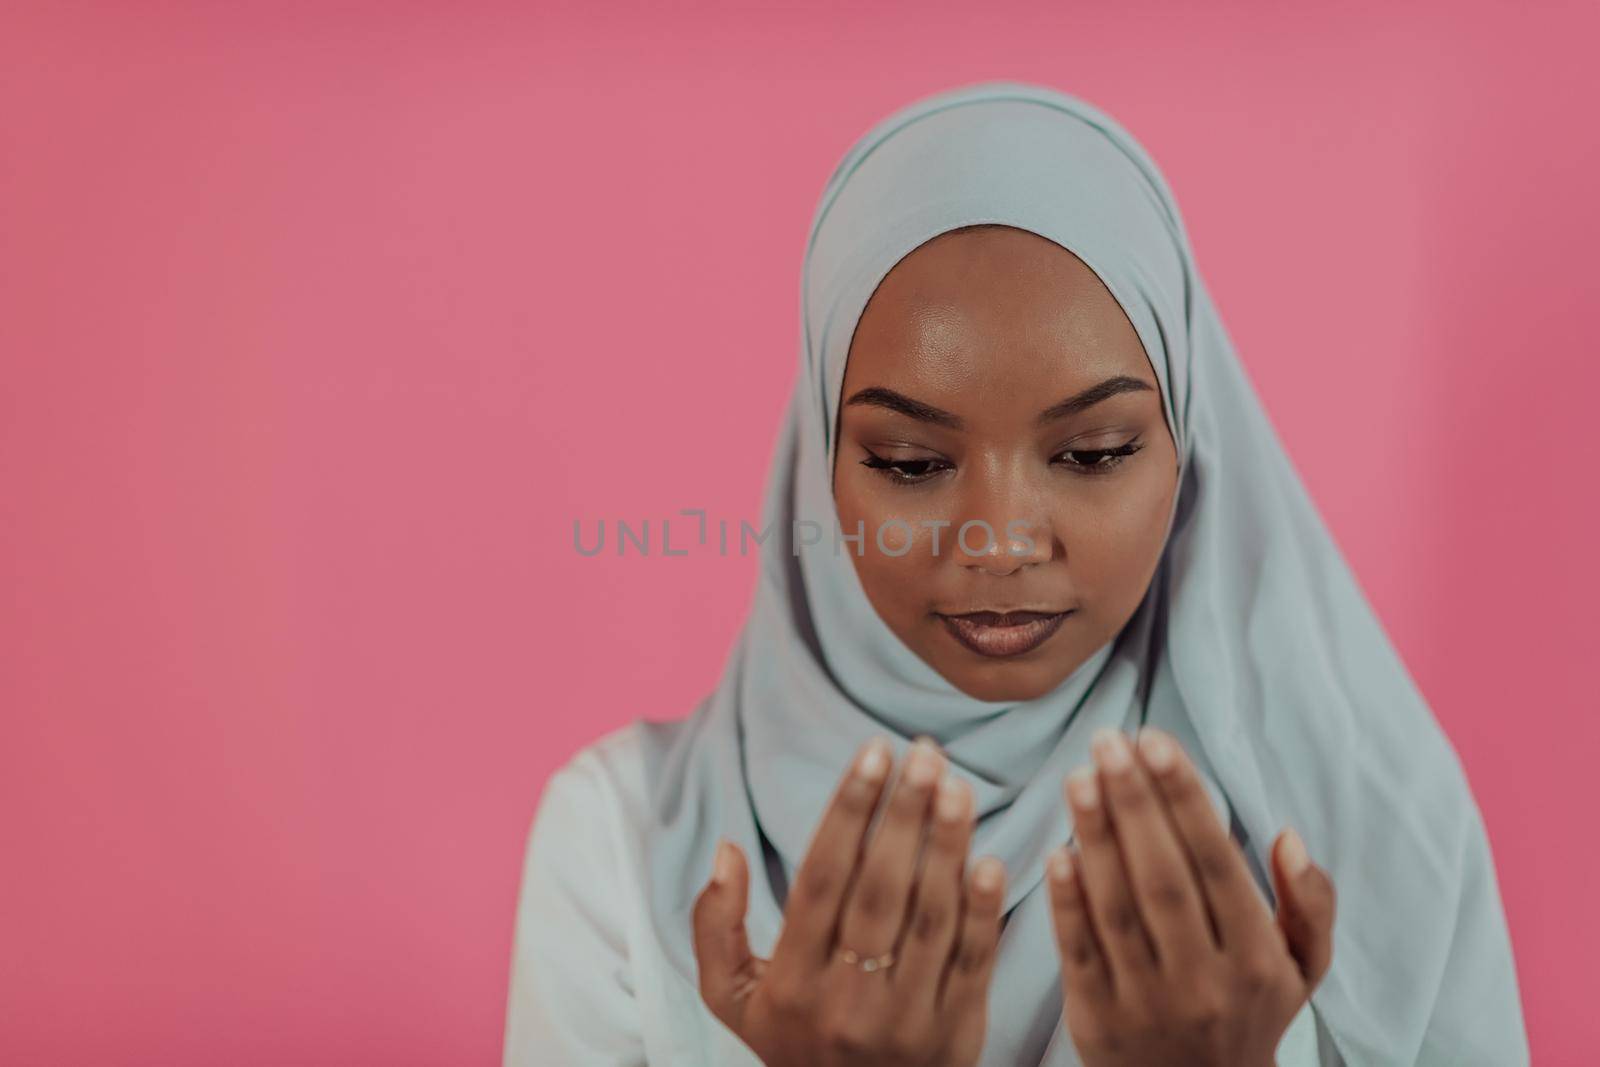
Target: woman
x: 1028, y: 514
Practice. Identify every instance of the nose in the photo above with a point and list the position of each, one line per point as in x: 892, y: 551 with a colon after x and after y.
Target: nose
x: 999, y: 537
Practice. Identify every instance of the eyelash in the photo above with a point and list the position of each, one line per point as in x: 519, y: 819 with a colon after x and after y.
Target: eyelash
x: 894, y: 469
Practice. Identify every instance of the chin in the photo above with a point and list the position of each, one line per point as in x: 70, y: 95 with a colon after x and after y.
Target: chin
x: 1011, y: 683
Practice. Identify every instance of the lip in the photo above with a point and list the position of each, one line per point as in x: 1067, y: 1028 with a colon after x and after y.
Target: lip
x: 1002, y: 634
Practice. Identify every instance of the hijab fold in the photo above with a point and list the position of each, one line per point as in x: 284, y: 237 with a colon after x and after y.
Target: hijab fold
x: 1254, y: 642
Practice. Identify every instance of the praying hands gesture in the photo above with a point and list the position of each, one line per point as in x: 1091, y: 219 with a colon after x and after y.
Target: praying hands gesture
x: 882, y: 959
x: 1169, y: 954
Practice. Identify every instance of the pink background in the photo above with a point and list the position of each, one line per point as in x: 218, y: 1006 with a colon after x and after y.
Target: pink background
x: 320, y: 325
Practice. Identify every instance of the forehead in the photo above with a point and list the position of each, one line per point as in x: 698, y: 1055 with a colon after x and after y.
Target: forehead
x: 998, y: 312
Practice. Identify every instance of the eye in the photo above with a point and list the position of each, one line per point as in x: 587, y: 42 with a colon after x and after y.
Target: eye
x: 905, y: 471
x: 1086, y: 461
x: 1096, y: 461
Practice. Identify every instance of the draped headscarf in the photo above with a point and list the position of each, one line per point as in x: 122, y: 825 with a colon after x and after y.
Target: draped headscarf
x: 1254, y: 642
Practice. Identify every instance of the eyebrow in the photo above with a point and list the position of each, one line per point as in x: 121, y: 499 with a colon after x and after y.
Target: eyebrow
x: 878, y: 396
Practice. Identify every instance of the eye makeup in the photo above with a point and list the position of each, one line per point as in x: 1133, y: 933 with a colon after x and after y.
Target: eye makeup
x: 1086, y: 462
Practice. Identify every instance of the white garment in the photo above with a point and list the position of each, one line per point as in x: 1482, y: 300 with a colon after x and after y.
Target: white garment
x: 590, y: 985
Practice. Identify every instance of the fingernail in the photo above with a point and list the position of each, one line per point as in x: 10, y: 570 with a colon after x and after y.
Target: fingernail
x: 722, y: 868
x: 1083, y: 789
x: 988, y: 874
x: 951, y: 802
x: 923, y: 764
x: 1295, y: 859
x: 1156, y: 749
x: 1061, y: 865
x: 1111, y: 749
x: 873, y: 760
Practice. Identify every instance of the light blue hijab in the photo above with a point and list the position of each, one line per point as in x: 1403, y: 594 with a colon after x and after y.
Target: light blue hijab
x: 1254, y: 642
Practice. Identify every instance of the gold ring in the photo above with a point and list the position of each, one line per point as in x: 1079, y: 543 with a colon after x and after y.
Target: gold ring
x: 869, y: 963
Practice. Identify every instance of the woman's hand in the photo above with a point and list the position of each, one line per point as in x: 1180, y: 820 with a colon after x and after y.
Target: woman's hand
x: 808, y: 1005
x: 1169, y: 952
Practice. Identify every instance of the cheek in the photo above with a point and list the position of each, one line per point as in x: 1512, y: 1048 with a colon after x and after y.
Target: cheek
x: 1114, y: 544
x: 885, y: 573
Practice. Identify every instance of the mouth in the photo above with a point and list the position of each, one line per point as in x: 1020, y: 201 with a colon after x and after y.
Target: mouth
x: 1001, y: 634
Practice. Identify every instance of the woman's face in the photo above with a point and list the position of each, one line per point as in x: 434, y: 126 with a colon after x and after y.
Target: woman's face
x: 994, y: 379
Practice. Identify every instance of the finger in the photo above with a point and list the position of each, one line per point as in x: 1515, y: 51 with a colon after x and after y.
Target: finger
x: 930, y: 930
x: 1236, y: 905
x: 875, y: 904
x: 1164, y: 886
x: 964, y: 985
x: 1083, y: 967
x: 811, y: 912
x: 1112, y: 911
x: 1306, y: 906
x: 720, y: 943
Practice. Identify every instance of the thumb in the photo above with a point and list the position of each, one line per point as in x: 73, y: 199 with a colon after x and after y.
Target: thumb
x: 720, y: 943
x: 1305, y: 906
